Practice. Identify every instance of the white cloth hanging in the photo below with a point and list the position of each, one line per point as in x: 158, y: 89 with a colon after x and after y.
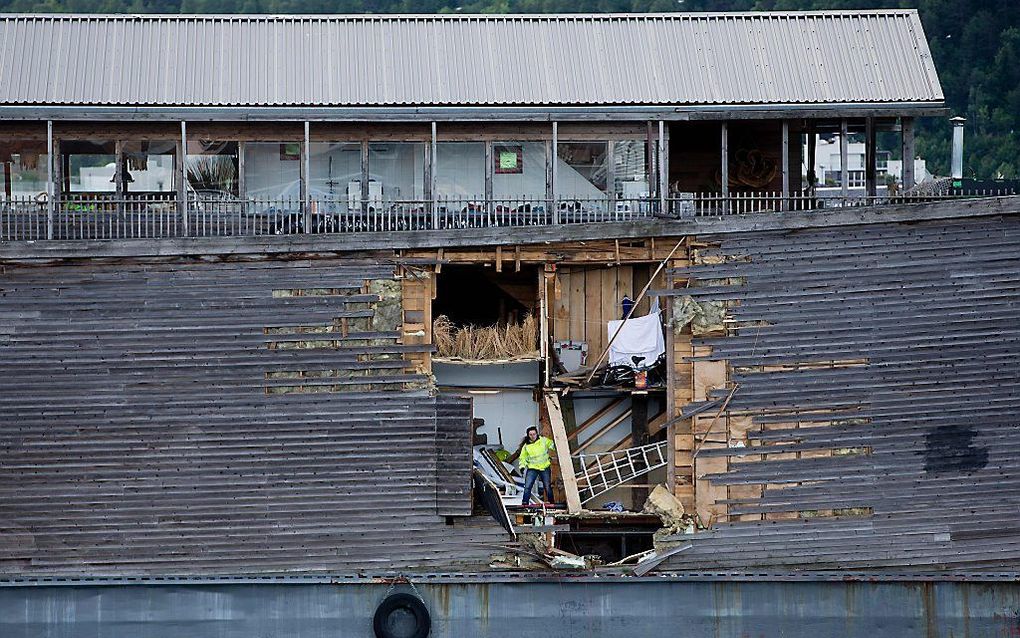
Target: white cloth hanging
x: 640, y: 337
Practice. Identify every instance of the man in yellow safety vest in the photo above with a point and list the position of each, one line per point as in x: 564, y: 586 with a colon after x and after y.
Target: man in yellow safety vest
x: 535, y: 462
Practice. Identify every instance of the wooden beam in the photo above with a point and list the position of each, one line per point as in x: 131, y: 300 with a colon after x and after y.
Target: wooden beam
x: 639, y: 435
x: 432, y: 165
x: 870, y: 158
x: 785, y: 143
x: 305, y: 177
x: 182, y: 188
x: 662, y: 168
x: 724, y: 153
x: 553, y: 186
x: 844, y: 159
x: 907, y: 141
x: 51, y: 191
x: 595, y: 418
x: 612, y: 423
x: 566, y: 462
x: 812, y: 152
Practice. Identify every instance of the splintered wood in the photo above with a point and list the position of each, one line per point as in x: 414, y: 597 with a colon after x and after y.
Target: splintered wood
x: 417, y: 290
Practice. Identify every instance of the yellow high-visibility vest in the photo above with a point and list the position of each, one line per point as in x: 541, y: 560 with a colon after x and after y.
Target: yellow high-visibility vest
x: 535, y: 455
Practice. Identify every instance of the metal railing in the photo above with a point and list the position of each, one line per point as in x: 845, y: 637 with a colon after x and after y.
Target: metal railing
x: 204, y: 214
x: 713, y: 204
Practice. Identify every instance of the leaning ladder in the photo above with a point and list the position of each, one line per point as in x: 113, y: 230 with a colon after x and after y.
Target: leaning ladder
x: 604, y: 471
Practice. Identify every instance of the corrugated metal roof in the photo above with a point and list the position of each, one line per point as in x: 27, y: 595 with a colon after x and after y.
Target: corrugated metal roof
x: 512, y: 60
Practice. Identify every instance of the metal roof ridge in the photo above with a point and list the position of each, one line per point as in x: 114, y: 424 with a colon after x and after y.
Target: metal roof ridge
x: 439, y: 17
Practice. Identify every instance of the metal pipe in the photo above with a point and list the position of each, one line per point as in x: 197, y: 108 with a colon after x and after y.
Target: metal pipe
x: 957, y: 163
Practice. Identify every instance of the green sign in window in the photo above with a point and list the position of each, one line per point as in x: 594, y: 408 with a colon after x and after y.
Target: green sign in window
x: 508, y: 160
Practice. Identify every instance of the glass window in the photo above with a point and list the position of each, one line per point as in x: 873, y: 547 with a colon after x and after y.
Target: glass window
x: 89, y: 167
x: 24, y: 168
x: 335, y: 174
x: 212, y: 167
x: 519, y: 170
x: 581, y: 170
x: 630, y: 170
x: 396, y: 171
x: 272, y: 170
x: 149, y: 167
x: 460, y: 170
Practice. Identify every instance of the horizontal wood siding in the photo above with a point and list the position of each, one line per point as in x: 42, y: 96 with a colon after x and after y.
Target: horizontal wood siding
x: 223, y: 418
x: 877, y: 420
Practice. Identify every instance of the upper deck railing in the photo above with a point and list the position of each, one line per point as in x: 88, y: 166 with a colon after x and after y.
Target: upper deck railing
x: 94, y: 217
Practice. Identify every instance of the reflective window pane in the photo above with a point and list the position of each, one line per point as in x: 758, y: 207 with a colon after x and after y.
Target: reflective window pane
x: 519, y: 171
x: 212, y: 168
x: 272, y: 170
x: 581, y: 171
x: 150, y: 167
x: 460, y: 170
x: 335, y: 175
x: 630, y: 169
x: 396, y: 171
x: 24, y: 168
x: 89, y: 166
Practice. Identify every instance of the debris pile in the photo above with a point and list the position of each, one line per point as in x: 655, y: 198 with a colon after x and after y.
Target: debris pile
x: 675, y: 520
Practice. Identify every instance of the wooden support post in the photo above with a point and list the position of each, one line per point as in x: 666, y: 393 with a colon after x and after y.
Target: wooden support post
x: 489, y: 169
x: 812, y: 146
x: 182, y: 189
x: 662, y: 168
x: 430, y: 182
x: 554, y: 160
x: 785, y: 149
x: 907, y: 141
x: 559, y: 432
x: 639, y: 437
x: 517, y: 258
x: 844, y: 159
x: 51, y: 190
x: 118, y: 186
x: 724, y: 152
x: 870, y: 158
x: 364, y: 182
x: 242, y: 180
x: 306, y: 197
x: 611, y: 178
x: 499, y: 259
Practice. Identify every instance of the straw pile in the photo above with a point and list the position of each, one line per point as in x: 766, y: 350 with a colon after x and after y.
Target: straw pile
x: 485, y: 343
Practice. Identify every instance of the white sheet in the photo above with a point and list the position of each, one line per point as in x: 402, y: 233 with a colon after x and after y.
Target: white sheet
x: 641, y: 336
